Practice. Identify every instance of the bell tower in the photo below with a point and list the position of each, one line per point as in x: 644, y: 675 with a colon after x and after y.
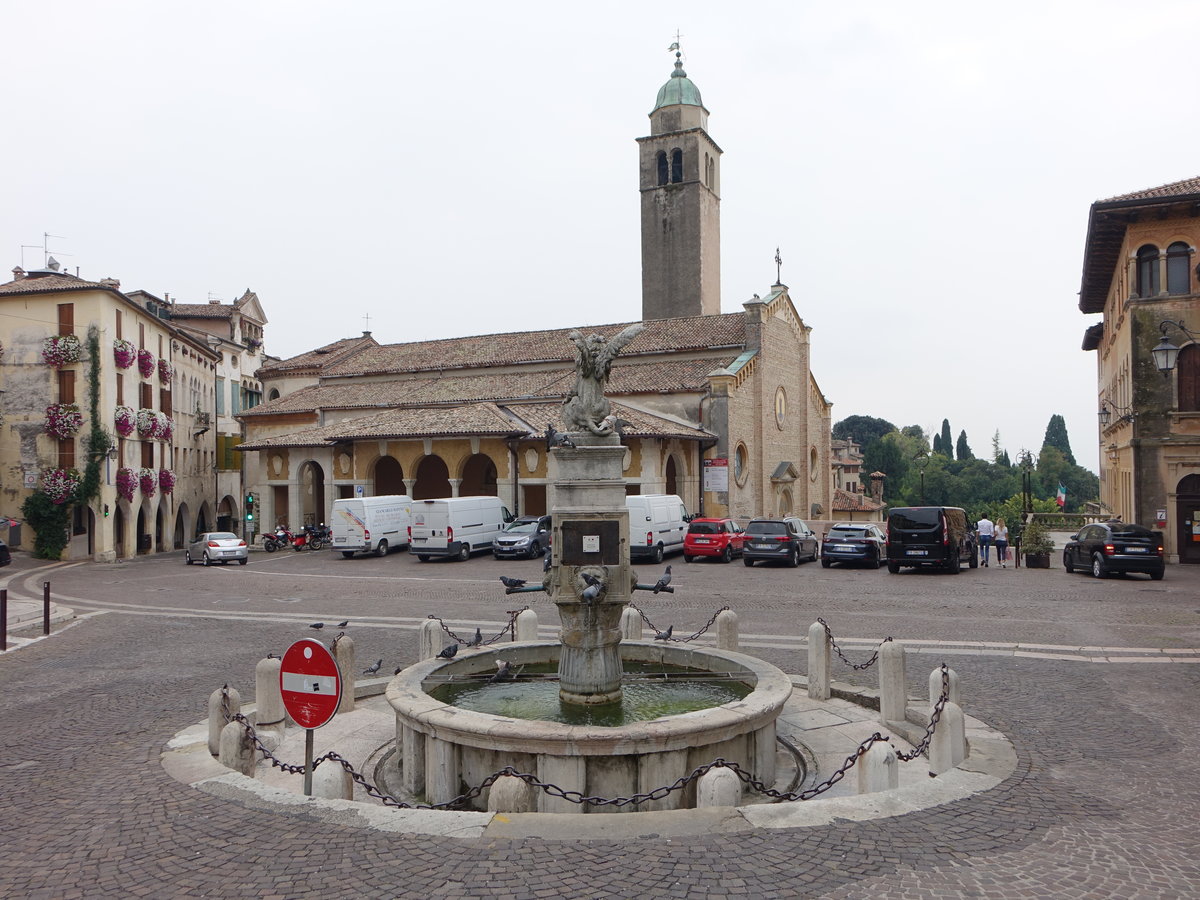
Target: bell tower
x: 680, y: 184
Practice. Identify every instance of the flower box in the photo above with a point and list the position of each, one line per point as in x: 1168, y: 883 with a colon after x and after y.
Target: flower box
x: 124, y: 421
x: 124, y: 353
x: 147, y: 423
x: 61, y: 350
x: 60, y: 485
x: 165, y: 429
x: 165, y: 371
x: 145, y: 361
x: 147, y: 481
x: 63, y: 420
x: 166, y: 480
x: 127, y: 482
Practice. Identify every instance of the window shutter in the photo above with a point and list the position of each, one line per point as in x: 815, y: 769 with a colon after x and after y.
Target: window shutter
x: 1188, y: 366
x: 66, y: 453
x: 66, y: 386
x: 147, y: 454
x: 66, y: 318
x: 147, y: 395
x: 120, y: 389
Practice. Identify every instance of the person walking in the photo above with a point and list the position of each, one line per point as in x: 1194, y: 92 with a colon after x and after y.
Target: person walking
x: 1000, y: 538
x: 986, y: 532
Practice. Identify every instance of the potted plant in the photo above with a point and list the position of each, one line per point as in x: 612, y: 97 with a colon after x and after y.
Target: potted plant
x: 127, y: 482
x: 124, y: 353
x: 1037, y: 546
x: 61, y: 350
x: 145, y: 361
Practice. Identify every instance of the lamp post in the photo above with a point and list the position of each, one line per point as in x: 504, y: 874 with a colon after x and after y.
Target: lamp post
x: 922, y: 459
x: 1107, y: 408
x: 1165, y: 353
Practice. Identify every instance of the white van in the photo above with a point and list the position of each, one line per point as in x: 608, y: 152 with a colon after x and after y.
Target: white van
x: 456, y: 526
x: 657, y: 525
x: 370, y: 524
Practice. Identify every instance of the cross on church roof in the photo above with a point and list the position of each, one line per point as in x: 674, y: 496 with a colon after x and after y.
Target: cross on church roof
x: 778, y: 267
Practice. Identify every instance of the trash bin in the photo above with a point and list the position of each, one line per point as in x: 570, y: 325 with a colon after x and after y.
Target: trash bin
x: 14, y: 534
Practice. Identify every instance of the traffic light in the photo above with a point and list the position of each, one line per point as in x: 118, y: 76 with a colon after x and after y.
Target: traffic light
x: 250, y: 503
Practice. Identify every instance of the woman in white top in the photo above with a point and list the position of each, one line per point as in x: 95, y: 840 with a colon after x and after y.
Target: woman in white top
x: 1001, y: 541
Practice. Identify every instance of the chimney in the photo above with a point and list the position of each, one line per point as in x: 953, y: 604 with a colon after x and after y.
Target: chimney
x: 111, y: 282
x: 877, y: 486
x: 214, y: 302
x: 18, y: 273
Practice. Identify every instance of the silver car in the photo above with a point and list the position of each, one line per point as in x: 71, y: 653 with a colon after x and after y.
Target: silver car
x: 217, y: 547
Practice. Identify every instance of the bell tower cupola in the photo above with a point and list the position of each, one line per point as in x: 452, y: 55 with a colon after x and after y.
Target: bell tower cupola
x: 680, y: 185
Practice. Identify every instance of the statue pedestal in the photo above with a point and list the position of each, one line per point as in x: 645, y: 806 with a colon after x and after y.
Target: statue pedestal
x: 591, y: 537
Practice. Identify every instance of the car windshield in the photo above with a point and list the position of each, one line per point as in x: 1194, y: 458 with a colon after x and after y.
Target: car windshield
x: 849, y: 533
x: 522, y: 527
x: 1127, y: 532
x: 222, y: 536
x: 704, y: 528
x: 915, y: 519
x: 767, y: 528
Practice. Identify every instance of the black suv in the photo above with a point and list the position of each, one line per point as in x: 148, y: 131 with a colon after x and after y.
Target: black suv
x: 936, y: 536
x: 787, y: 540
x: 1111, y: 547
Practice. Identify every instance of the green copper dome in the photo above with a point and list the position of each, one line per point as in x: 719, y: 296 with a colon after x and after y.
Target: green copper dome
x: 679, y: 91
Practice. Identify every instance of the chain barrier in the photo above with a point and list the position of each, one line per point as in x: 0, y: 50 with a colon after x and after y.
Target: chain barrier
x: 838, y: 650
x: 934, y: 718
x: 677, y: 640
x: 510, y: 629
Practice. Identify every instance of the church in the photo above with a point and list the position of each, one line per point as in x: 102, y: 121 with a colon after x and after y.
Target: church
x: 718, y: 407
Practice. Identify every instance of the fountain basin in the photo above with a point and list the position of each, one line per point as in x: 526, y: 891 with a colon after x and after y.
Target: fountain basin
x: 445, y: 749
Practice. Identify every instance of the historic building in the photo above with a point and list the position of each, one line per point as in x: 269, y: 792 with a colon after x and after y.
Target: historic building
x: 720, y: 408
x: 153, y: 396
x: 1140, y: 272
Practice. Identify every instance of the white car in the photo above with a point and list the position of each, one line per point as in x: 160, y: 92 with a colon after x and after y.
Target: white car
x: 217, y: 547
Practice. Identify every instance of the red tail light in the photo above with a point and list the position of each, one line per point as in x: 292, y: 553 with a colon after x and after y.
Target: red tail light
x: 241, y: 543
x: 366, y: 534
x: 449, y: 532
x: 1109, y: 549
x: 213, y: 544
x: 781, y: 537
x: 410, y: 532
x: 1160, y: 551
x: 649, y: 538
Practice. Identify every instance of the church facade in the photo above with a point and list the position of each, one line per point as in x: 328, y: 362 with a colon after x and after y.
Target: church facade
x: 720, y: 408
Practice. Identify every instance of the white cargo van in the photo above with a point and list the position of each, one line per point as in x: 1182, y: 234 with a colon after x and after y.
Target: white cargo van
x: 370, y: 524
x: 456, y: 526
x: 657, y: 525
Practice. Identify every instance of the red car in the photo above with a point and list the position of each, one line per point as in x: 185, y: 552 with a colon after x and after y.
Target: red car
x: 720, y: 538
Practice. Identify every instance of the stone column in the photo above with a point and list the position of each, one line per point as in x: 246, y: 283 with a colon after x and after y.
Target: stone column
x: 878, y: 769
x: 935, y: 686
x: 216, y: 716
x: 332, y: 782
x: 947, y: 747
x: 820, y: 666
x: 432, y: 639
x: 455, y: 484
x: 510, y: 794
x: 269, y: 717
x: 893, y: 692
x: 412, y: 754
x: 236, y: 751
x: 1162, y: 272
x: 727, y: 630
x: 343, y: 655
x: 527, y: 625
x: 295, y: 513
x: 441, y: 770
x: 410, y: 485
x: 718, y: 787
x: 1131, y: 274
x: 631, y: 625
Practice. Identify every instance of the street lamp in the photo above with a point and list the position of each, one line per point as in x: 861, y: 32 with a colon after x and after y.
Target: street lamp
x: 1166, y: 353
x: 1107, y: 408
x: 922, y: 459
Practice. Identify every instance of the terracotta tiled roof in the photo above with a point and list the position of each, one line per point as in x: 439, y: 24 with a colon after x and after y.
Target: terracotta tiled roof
x: 641, y: 423
x: 49, y: 284
x: 200, y: 311
x: 689, y: 333
x: 310, y: 437
x: 1174, y: 189
x: 320, y: 358
x: 846, y: 501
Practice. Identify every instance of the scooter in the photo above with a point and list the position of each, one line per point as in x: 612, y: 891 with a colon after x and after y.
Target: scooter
x: 311, y: 537
x: 277, y: 540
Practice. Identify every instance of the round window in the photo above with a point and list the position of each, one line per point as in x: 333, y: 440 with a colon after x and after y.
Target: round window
x: 780, y: 408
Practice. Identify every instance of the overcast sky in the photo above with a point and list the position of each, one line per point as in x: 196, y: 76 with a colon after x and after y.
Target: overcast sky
x: 925, y: 168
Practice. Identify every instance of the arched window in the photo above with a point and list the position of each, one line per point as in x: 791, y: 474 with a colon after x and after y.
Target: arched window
x: 662, y: 166
x: 676, y: 166
x: 1177, y: 268
x: 1147, y: 271
x: 1188, y: 369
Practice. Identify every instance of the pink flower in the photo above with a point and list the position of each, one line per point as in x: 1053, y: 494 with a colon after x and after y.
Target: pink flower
x: 127, y: 482
x: 60, y: 484
x: 61, y: 350
x: 63, y: 420
x: 147, y: 481
x: 124, y: 353
x: 166, y: 480
x: 165, y: 371
x: 145, y: 363
x: 124, y: 421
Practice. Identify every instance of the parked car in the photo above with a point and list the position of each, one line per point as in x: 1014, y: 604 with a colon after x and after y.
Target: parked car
x: 721, y: 539
x: 936, y: 536
x: 854, y: 542
x: 1109, y: 548
x: 217, y: 547
x: 456, y: 527
x: 786, y: 540
x: 5, y: 554
x: 526, y: 536
x: 657, y: 526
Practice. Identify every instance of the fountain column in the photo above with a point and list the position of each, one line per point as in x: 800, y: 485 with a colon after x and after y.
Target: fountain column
x: 591, y: 542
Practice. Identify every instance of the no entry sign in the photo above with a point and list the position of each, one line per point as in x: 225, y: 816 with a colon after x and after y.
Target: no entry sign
x: 310, y: 683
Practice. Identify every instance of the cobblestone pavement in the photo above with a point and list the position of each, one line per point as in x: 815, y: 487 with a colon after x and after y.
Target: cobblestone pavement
x: 1100, y: 804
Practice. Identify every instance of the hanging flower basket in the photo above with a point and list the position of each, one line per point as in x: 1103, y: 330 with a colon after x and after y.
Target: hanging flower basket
x: 124, y: 421
x: 147, y: 481
x: 166, y: 480
x: 253, y: 344
x: 147, y: 423
x: 63, y: 420
x: 146, y: 363
x: 61, y: 350
x: 127, y: 482
x: 165, y: 428
x: 60, y: 484
x: 124, y: 353
x: 165, y: 371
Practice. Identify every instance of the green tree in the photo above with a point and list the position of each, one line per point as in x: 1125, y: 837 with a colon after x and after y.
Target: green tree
x: 1003, y: 460
x: 962, y: 450
x: 886, y: 455
x: 996, y: 446
x: 1056, y: 436
x: 862, y: 429
x: 947, y: 442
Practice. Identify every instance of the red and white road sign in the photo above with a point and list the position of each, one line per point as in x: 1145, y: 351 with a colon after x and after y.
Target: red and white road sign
x: 310, y: 682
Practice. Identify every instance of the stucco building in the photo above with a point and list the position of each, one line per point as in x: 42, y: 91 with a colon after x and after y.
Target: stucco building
x: 722, y: 408
x: 1139, y: 272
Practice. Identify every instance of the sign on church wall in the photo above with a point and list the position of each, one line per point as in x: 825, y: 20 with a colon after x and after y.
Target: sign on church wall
x: 716, y: 474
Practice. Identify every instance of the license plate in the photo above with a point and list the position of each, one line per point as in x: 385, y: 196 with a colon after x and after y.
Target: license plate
x: 845, y: 547
x: 703, y: 541
x: 418, y: 540
x: 1135, y: 550
x: 340, y: 540
x: 763, y: 546
x: 916, y: 552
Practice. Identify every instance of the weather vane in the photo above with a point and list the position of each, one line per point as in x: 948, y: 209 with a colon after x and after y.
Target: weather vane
x: 675, y: 44
x: 778, y: 267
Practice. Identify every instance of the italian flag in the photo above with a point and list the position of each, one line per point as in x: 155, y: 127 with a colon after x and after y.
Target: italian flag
x: 1061, y: 497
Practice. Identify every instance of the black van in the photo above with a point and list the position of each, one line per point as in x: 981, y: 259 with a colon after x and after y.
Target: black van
x: 938, y: 536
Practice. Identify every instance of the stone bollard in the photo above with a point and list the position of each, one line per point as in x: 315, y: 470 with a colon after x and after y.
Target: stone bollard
x: 343, y: 654
x: 237, y: 752
x: 631, y: 625
x: 332, y: 782
x: 510, y: 794
x: 527, y: 625
x: 878, y: 769
x: 216, y: 716
x: 718, y: 787
x: 893, y: 690
x: 948, y: 746
x: 432, y: 639
x: 727, y: 630
x: 269, y: 715
x: 820, y: 666
x: 935, y: 686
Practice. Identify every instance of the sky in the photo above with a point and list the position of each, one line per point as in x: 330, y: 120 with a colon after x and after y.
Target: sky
x: 449, y: 169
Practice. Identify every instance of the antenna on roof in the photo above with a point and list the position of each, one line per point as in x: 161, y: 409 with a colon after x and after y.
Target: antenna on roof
x: 45, y: 248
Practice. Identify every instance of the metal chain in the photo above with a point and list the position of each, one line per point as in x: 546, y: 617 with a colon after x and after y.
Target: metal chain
x: 934, y: 718
x: 838, y: 650
x: 510, y: 628
x: 678, y: 640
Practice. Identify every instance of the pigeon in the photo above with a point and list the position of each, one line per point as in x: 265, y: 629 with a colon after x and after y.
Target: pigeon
x: 611, y: 423
x: 504, y: 671
x: 557, y: 438
x: 591, y: 592
x: 317, y: 625
x: 512, y: 582
x: 546, y: 563
x: 477, y: 640
x: 664, y: 635
x: 663, y: 581
x: 343, y: 623
x: 590, y: 578
x: 448, y: 651
x: 371, y: 670
x: 399, y: 669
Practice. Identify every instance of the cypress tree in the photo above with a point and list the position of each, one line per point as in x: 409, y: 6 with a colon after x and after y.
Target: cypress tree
x: 1056, y: 436
x: 962, y: 450
x: 947, y: 441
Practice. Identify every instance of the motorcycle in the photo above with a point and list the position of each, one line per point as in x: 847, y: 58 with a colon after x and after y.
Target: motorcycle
x: 312, y: 537
x: 277, y: 540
